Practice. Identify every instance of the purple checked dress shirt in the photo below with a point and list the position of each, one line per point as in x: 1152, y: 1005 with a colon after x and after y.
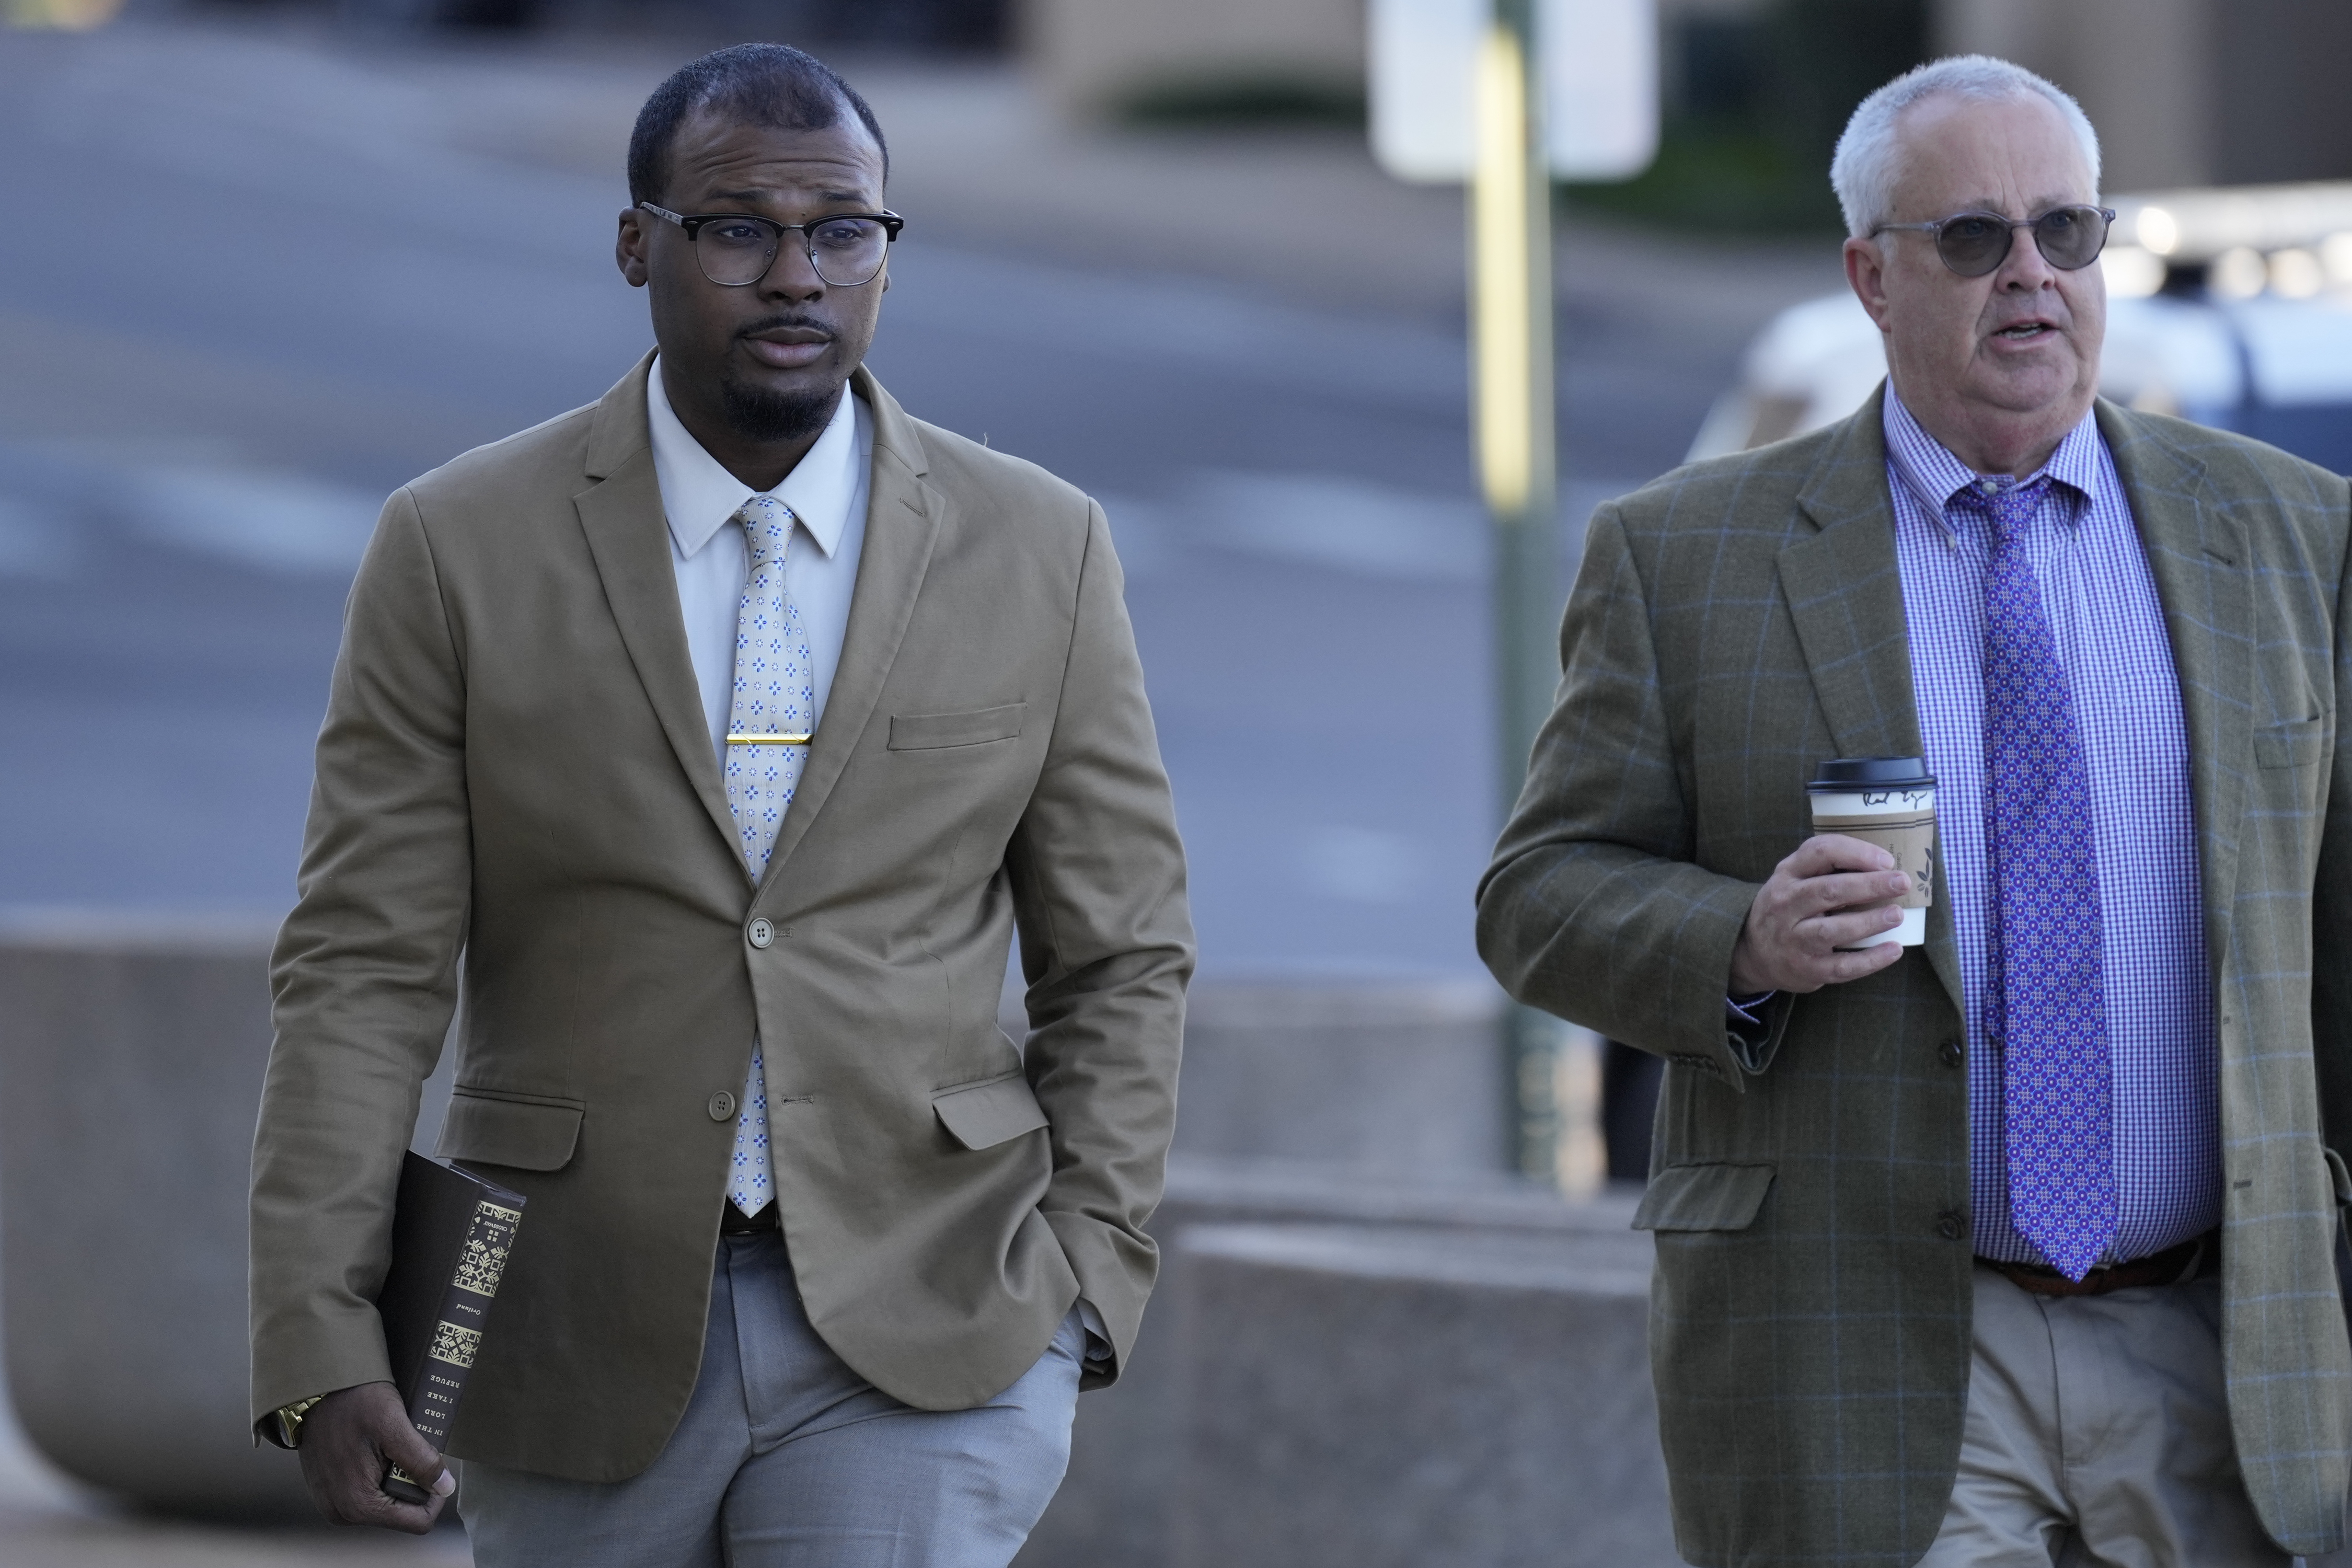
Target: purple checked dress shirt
x: 2109, y: 625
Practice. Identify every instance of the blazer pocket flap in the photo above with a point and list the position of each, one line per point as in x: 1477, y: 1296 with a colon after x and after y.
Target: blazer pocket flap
x: 530, y: 1135
x: 2291, y: 745
x: 1704, y: 1197
x: 982, y: 1115
x: 923, y: 732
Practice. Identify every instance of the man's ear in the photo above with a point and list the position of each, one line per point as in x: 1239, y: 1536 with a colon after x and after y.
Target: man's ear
x: 1865, y: 273
x: 629, y: 248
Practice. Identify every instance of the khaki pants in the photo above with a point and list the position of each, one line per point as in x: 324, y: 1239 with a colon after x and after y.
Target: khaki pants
x: 2099, y: 1434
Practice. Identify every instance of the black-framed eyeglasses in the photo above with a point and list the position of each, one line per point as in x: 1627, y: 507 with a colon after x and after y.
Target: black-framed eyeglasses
x: 1973, y: 244
x: 736, y: 250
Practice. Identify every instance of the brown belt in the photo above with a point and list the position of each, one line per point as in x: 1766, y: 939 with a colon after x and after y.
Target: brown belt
x: 733, y: 1221
x: 2192, y: 1259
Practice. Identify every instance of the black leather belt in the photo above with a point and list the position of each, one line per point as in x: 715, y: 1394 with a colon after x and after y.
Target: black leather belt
x: 2193, y: 1259
x: 733, y: 1221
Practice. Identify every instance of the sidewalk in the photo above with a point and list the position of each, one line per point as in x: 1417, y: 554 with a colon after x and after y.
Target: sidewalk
x: 43, y: 1539
x: 48, y: 1521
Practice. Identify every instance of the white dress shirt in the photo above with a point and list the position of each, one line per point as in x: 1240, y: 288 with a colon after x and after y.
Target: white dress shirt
x: 826, y: 491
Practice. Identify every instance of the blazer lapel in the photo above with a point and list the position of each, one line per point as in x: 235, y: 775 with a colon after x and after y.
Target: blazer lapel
x: 627, y: 535
x: 902, y: 522
x: 2197, y: 555
x: 1844, y: 590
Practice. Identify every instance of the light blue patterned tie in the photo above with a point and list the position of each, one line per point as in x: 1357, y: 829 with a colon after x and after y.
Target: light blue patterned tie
x: 2049, y: 1009
x: 775, y: 694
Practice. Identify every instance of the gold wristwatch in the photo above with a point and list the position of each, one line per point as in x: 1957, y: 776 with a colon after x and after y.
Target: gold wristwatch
x: 284, y: 1427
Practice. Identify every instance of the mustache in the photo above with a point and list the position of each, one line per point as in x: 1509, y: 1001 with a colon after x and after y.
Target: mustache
x: 793, y: 323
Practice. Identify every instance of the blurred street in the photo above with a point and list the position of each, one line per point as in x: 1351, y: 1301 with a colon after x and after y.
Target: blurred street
x: 262, y: 276
x: 261, y: 272
x: 269, y: 259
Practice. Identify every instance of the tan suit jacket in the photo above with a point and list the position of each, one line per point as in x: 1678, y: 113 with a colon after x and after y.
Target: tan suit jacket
x: 515, y: 778
x: 1734, y: 625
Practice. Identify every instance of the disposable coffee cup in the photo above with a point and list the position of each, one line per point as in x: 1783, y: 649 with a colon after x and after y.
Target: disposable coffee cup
x: 1889, y: 802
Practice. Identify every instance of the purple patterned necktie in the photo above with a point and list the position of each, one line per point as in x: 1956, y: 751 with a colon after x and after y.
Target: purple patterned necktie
x: 2049, y: 1009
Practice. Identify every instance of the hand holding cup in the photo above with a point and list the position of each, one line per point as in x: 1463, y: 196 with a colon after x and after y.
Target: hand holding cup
x: 1811, y: 921
x: 1855, y: 894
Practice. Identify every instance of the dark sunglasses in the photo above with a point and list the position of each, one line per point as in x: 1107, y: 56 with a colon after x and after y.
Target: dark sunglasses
x: 1973, y: 244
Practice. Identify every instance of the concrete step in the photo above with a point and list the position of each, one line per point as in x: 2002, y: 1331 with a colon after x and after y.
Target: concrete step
x: 1143, y: 1452
x: 1390, y: 1396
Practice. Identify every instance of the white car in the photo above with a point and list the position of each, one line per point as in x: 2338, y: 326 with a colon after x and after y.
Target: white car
x: 2232, y: 307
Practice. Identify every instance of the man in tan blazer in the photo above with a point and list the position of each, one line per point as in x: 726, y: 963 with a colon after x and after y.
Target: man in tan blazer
x: 722, y: 734
x: 2015, y: 1248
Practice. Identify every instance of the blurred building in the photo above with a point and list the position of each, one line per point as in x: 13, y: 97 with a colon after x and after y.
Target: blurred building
x: 1117, y: 58
x: 2185, y: 93
x: 893, y: 26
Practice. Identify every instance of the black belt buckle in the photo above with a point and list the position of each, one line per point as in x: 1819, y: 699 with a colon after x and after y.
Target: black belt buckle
x: 733, y: 1221
x: 2199, y: 1257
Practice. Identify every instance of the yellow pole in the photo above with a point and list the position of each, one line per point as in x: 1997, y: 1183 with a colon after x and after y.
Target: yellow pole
x: 1511, y: 356
x: 62, y: 16
x: 1509, y: 239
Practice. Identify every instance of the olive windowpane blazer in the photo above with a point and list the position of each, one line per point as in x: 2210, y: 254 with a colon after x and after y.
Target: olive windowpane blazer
x: 1734, y: 624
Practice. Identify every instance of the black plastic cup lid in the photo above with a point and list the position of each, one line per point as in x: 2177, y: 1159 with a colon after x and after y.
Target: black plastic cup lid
x: 1844, y: 775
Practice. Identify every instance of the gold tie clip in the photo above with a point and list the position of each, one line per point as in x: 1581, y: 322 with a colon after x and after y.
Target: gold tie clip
x: 792, y: 739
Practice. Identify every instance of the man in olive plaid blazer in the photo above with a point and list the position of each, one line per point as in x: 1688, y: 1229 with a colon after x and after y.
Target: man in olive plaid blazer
x: 1818, y: 1300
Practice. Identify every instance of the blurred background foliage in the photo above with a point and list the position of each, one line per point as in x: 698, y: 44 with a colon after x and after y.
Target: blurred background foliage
x: 2185, y: 93
x: 866, y: 27
x: 1269, y: 100
x: 1755, y: 95
x: 1754, y: 102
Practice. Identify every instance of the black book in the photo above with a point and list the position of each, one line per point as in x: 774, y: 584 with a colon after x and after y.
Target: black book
x: 451, y: 1231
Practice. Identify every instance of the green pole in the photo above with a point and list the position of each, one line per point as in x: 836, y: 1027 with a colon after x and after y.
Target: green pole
x: 1511, y: 265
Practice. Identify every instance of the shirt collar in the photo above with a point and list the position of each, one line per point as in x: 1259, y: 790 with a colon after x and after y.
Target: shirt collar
x: 699, y: 496
x: 1933, y: 475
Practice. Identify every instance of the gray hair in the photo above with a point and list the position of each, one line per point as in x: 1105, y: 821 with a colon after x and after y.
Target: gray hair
x: 1868, y: 160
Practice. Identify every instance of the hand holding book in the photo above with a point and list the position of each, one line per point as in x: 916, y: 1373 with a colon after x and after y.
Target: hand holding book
x: 369, y: 1452
x: 451, y: 1232
x: 349, y: 1438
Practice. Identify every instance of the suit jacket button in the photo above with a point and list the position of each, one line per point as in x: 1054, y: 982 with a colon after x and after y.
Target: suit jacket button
x: 1953, y: 1053
x: 722, y: 1106
x: 1951, y: 1226
x: 761, y: 932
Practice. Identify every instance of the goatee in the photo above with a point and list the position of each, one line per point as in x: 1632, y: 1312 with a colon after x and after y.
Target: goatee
x: 758, y: 413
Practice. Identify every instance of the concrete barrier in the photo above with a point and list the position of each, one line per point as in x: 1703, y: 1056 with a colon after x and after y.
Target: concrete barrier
x: 1123, y: 1501
x: 132, y: 1052
x: 1396, y: 1082
x: 1381, y: 1105
x: 1368, y: 1396
x: 131, y: 1060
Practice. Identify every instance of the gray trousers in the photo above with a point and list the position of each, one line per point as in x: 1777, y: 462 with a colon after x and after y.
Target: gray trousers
x: 786, y: 1458
x: 2097, y: 1435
